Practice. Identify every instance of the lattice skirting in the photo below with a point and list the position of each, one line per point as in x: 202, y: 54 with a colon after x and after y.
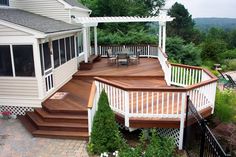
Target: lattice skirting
x: 16, y: 110
x: 170, y: 132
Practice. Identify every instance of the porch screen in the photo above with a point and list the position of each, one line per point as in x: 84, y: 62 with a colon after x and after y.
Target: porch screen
x: 23, y: 60
x: 5, y: 61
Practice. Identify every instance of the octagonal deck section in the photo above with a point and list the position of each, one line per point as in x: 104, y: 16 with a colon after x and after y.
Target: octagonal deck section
x: 146, y: 74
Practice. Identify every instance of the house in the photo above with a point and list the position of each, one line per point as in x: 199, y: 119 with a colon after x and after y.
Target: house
x: 41, y: 46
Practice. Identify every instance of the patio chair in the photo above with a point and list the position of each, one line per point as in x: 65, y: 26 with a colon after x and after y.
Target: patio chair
x: 110, y: 58
x: 122, y: 59
x: 231, y: 83
x: 135, y: 58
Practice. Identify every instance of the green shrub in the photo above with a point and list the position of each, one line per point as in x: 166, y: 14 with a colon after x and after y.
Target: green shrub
x: 159, y: 146
x: 225, y: 108
x: 105, y: 136
x: 153, y: 146
x: 229, y: 64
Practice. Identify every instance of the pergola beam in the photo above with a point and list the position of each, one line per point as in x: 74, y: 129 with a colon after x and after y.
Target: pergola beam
x: 93, y: 21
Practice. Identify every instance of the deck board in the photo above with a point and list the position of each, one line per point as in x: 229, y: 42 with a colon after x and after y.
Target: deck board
x: 148, y: 67
x: 147, y: 74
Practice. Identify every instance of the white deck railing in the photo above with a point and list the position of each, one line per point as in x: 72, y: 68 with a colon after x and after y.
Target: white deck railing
x: 92, y: 106
x: 48, y: 78
x: 161, y: 102
x: 166, y: 67
x: 146, y: 50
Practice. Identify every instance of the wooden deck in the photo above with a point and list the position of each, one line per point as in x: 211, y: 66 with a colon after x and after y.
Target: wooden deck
x: 148, y: 67
x: 67, y: 117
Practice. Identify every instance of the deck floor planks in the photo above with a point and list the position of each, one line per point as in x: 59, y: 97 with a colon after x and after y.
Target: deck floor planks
x: 146, y: 74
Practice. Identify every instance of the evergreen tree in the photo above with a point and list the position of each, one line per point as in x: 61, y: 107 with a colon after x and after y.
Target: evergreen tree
x: 182, y: 25
x: 105, y: 136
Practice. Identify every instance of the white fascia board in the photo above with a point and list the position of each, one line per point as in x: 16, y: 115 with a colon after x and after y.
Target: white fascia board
x: 62, y: 33
x: 35, y: 33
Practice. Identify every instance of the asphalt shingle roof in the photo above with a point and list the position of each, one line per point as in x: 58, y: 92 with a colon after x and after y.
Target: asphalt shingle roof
x: 35, y: 21
x: 75, y: 3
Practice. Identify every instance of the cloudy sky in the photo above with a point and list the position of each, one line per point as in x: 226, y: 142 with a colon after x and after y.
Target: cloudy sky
x: 208, y: 8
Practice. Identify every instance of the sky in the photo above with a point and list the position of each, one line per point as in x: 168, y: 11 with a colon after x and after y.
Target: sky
x: 208, y: 8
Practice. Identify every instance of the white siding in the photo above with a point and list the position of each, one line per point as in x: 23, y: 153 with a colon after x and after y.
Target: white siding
x: 19, y: 91
x: 77, y: 13
x: 61, y: 76
x: 65, y: 72
x: 49, y: 8
x: 7, y: 31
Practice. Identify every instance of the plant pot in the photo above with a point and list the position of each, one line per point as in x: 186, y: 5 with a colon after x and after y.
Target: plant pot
x: 86, y: 66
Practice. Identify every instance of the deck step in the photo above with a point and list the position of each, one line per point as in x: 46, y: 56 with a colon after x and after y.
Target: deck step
x: 61, y: 134
x: 50, y: 117
x: 64, y: 110
x: 27, y: 123
x: 52, y: 126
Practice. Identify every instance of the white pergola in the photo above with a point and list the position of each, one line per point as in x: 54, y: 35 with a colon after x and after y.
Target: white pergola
x: 88, y: 22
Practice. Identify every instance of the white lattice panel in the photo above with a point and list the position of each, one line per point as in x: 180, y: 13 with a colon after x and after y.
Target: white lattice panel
x: 170, y: 132
x: 16, y: 110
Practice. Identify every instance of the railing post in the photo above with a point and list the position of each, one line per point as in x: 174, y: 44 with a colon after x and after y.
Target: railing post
x: 100, y: 50
x: 89, y: 121
x: 126, y: 108
x: 182, y: 121
x: 203, y: 127
x: 148, y: 51
x: 186, y: 123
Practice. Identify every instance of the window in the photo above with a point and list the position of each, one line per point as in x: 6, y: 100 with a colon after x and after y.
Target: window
x: 4, y: 2
x: 5, y: 61
x: 62, y: 51
x: 72, y: 39
x: 68, y: 51
x: 56, y: 54
x: 23, y: 60
x: 47, y: 56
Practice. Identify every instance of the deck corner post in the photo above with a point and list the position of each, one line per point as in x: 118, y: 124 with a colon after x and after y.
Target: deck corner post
x: 89, y: 122
x: 126, y: 108
x: 182, y: 120
x: 148, y: 51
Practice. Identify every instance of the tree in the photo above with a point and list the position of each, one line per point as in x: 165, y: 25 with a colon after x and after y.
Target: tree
x: 180, y: 53
x: 105, y: 136
x: 182, y: 25
x: 212, y: 48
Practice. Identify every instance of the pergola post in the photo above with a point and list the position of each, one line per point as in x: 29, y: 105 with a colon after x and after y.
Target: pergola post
x: 85, y: 44
x: 160, y: 34
x: 95, y: 41
x: 164, y: 38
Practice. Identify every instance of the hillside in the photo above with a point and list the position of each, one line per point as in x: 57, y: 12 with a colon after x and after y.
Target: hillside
x: 224, y: 23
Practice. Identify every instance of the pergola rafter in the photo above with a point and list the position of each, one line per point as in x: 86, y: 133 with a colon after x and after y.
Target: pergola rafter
x: 88, y: 22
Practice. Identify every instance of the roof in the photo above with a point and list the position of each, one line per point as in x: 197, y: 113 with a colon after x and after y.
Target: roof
x: 75, y: 3
x: 35, y: 21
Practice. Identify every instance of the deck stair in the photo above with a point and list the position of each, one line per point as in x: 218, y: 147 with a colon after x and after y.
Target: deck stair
x: 61, y: 118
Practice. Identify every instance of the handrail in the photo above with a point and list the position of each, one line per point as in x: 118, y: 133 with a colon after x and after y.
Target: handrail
x: 163, y: 89
x: 92, y: 95
x: 118, y: 85
x: 186, y: 66
x: 164, y: 54
x: 153, y: 45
